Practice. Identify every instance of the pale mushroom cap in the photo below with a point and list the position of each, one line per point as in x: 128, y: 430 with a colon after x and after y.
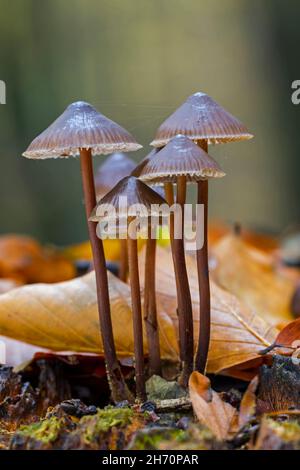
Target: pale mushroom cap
x: 81, y: 126
x: 201, y: 118
x: 180, y: 157
x: 116, y: 167
x: 135, y: 192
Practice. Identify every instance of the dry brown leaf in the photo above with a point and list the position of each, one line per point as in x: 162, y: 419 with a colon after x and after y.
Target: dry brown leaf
x: 220, y: 417
x: 248, y: 403
x: 24, y: 260
x: 237, y: 335
x: 217, y: 230
x: 250, y: 275
x: 289, y: 335
x: 64, y: 316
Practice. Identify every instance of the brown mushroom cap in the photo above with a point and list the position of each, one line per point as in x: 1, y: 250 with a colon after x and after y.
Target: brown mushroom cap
x: 139, y: 167
x: 180, y: 157
x: 135, y: 192
x: 201, y: 118
x: 115, y: 168
x: 81, y: 126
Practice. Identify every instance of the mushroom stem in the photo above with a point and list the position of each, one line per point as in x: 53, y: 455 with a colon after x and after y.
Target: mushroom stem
x: 116, y: 381
x: 137, y: 318
x: 150, y: 312
x: 185, y: 310
x: 203, y: 280
x: 123, y: 260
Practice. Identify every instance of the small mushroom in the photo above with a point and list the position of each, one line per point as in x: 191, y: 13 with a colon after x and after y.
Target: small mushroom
x: 82, y: 130
x: 150, y: 309
x: 115, y: 168
x: 205, y: 122
x: 182, y: 161
x: 136, y: 194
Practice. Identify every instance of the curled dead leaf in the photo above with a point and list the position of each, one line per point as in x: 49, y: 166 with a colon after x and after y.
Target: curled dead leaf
x: 248, y: 403
x: 220, y: 417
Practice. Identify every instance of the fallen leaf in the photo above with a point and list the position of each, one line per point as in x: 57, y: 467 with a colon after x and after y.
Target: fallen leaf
x: 237, y: 333
x: 220, y: 417
x: 289, y: 335
x: 64, y: 316
x: 24, y: 260
x: 217, y: 230
x: 250, y: 275
x: 248, y: 403
x: 8, y: 284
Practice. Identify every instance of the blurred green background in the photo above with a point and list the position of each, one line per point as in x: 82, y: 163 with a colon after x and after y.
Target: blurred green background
x: 136, y: 61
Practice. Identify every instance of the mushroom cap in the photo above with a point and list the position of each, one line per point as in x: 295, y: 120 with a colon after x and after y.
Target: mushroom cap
x: 180, y: 157
x: 139, y: 167
x: 115, y: 168
x: 81, y: 126
x: 201, y: 118
x: 135, y: 192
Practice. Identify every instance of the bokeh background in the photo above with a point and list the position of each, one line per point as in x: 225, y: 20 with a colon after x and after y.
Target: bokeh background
x: 136, y: 61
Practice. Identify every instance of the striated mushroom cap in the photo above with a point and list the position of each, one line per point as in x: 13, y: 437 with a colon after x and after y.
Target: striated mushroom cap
x: 134, y: 192
x: 180, y: 157
x: 116, y: 167
x: 139, y: 167
x: 201, y: 118
x: 81, y: 126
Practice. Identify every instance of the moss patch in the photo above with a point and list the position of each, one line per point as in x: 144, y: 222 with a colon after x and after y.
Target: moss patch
x: 45, y: 431
x: 104, y: 420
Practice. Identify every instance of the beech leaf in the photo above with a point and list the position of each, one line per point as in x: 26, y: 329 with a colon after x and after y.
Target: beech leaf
x: 220, y: 417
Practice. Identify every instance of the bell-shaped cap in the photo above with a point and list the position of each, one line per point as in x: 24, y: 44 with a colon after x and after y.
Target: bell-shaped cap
x: 128, y: 196
x: 81, y: 126
x: 180, y: 157
x: 116, y: 167
x: 201, y: 118
x: 139, y: 167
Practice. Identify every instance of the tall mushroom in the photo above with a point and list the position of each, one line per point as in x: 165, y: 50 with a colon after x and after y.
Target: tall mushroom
x: 115, y: 168
x: 150, y: 308
x: 182, y: 161
x: 136, y: 194
x: 82, y: 130
x: 205, y: 122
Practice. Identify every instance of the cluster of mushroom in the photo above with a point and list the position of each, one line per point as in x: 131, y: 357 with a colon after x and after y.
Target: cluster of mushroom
x: 179, y: 157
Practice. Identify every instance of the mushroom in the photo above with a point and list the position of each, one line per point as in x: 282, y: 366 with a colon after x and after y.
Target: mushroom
x: 115, y: 167
x: 150, y: 309
x: 182, y: 161
x: 137, y: 194
x: 205, y: 122
x: 82, y: 130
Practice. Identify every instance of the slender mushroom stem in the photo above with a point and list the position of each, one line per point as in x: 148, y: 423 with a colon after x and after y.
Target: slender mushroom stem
x: 137, y: 318
x: 123, y: 260
x: 116, y: 381
x: 185, y: 314
x: 150, y: 312
x: 186, y: 329
x: 169, y: 195
x: 203, y: 280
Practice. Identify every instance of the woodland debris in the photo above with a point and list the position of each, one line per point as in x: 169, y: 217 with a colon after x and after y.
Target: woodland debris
x: 279, y: 386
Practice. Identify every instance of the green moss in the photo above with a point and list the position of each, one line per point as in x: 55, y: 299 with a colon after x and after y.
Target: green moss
x: 45, y: 431
x: 150, y: 439
x: 104, y: 420
x: 286, y: 430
